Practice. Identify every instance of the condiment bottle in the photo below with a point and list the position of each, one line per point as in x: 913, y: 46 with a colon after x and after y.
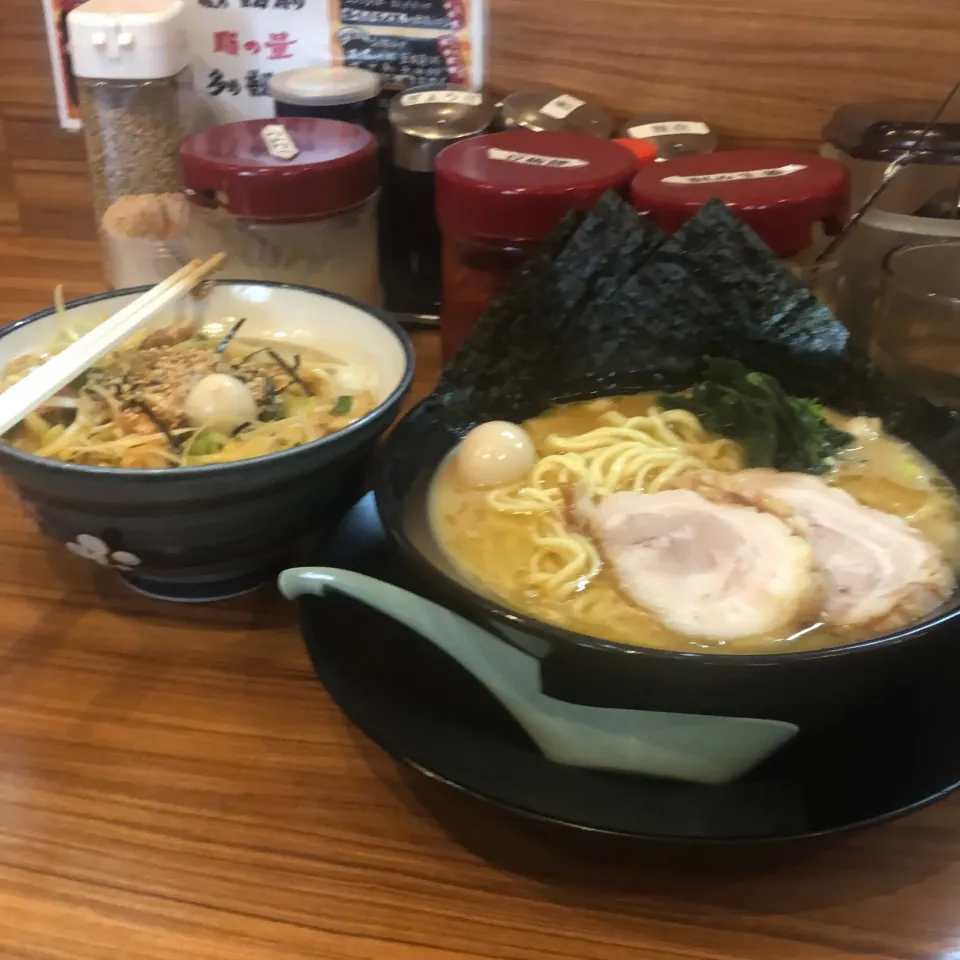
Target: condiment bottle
x: 643, y: 151
x: 327, y: 93
x: 498, y: 196
x: 783, y: 195
x: 424, y: 121
x: 130, y: 58
x: 867, y: 137
x: 292, y: 200
x: 671, y: 137
x: 540, y: 111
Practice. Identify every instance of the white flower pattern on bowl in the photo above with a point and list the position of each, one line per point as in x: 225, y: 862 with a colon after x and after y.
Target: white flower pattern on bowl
x: 93, y: 548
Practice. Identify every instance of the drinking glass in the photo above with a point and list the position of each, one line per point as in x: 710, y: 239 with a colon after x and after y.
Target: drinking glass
x: 916, y: 336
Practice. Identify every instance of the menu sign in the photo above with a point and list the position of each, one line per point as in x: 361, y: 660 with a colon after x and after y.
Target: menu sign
x: 64, y: 82
x: 429, y: 14
x: 239, y: 44
x: 410, y: 42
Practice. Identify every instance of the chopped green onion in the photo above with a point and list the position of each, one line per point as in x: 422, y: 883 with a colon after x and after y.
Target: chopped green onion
x: 207, y: 443
x: 343, y: 406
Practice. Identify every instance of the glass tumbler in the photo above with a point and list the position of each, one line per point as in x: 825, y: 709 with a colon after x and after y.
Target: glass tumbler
x: 916, y: 335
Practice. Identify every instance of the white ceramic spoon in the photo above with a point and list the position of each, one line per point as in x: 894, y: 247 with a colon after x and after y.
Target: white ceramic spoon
x: 681, y: 746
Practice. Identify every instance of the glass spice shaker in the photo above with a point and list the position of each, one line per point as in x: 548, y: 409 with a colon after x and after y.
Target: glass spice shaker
x: 423, y: 121
x: 131, y: 62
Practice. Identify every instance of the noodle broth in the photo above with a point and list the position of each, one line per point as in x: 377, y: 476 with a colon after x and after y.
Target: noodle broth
x: 133, y: 408
x: 517, y: 557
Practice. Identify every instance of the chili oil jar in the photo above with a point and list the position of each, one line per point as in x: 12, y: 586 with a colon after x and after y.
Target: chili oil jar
x: 291, y: 200
x: 789, y: 198
x: 424, y: 120
x: 782, y: 195
x: 498, y: 196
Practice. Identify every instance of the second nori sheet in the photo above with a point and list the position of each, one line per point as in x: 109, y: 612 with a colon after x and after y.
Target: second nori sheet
x: 613, y: 306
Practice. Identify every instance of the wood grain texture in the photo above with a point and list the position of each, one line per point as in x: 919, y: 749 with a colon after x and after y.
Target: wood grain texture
x: 760, y: 71
x: 174, y: 783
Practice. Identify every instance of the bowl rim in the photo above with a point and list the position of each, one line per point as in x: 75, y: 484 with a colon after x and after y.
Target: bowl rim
x: 165, y: 474
x: 506, y: 616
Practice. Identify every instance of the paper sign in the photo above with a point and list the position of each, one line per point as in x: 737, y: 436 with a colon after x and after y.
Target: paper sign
x: 667, y: 128
x: 739, y: 175
x: 534, y: 159
x: 64, y: 82
x: 238, y: 45
x: 278, y: 141
x: 561, y: 107
x: 467, y: 97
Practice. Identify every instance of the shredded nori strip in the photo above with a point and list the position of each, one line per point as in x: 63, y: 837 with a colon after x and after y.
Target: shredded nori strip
x: 231, y: 333
x: 291, y: 372
x: 158, y: 422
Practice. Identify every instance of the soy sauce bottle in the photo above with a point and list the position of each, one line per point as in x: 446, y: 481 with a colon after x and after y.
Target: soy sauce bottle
x: 424, y: 120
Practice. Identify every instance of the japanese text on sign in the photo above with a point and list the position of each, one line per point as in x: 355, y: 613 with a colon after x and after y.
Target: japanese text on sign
x: 534, y: 159
x: 784, y: 171
x: 672, y: 127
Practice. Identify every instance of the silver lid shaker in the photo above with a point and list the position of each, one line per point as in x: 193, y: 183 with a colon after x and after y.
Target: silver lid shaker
x: 427, y: 118
x: 671, y: 137
x: 542, y: 110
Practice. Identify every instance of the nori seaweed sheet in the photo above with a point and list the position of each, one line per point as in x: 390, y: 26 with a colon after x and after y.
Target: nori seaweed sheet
x: 610, y: 305
x: 499, y: 370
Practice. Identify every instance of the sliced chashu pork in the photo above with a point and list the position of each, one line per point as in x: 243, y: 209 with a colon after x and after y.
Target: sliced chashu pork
x: 706, y: 569
x: 877, y: 570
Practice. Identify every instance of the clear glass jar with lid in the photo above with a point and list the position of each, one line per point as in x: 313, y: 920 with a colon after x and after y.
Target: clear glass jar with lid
x: 131, y: 62
x: 498, y: 196
x: 292, y: 200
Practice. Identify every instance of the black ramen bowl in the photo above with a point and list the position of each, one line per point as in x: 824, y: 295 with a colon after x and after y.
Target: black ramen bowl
x: 209, y: 532
x: 808, y: 690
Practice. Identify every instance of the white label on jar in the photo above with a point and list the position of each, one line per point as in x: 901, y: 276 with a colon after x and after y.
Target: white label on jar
x: 534, y: 159
x: 467, y: 97
x: 278, y: 141
x: 739, y: 175
x: 667, y: 128
x: 561, y: 107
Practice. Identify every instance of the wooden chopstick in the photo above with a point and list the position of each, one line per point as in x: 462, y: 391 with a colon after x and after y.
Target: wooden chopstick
x: 42, y: 383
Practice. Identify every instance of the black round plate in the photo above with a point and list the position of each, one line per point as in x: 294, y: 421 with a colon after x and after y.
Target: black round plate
x: 424, y: 709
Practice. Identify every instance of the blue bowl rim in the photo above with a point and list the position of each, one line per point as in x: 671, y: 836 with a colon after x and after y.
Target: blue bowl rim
x: 467, y: 598
x: 160, y: 474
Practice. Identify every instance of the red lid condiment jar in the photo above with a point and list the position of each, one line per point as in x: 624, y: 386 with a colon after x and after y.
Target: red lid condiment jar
x: 498, y: 196
x: 292, y: 199
x: 783, y: 195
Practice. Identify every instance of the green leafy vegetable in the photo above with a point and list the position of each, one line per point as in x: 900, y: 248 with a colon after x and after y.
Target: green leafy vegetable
x: 343, y: 406
x: 774, y: 429
x: 207, y: 443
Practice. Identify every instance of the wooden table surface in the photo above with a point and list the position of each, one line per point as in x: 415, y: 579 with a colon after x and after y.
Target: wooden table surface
x: 174, y: 783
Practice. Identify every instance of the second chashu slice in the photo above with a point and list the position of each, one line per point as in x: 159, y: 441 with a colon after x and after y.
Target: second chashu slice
x: 707, y: 570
